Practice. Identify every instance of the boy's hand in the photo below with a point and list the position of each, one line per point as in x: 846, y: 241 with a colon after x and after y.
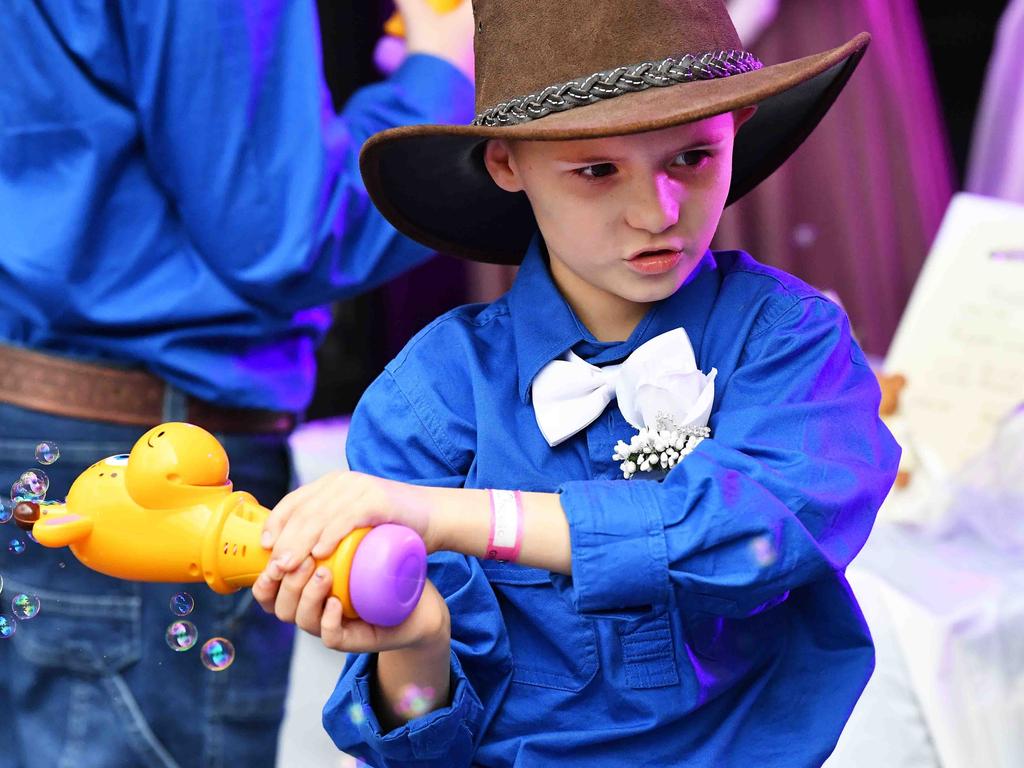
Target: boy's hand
x: 312, y: 520
x: 448, y: 36
x: 301, y: 599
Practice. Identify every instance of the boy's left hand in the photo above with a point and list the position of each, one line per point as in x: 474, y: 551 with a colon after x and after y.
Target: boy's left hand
x: 313, y: 519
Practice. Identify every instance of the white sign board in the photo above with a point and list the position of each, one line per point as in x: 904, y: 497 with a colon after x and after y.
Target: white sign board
x: 960, y: 342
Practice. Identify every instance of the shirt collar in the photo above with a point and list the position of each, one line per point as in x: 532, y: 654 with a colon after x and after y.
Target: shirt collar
x: 545, y: 326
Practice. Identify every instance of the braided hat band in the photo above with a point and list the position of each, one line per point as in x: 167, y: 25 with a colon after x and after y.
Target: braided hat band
x: 616, y: 82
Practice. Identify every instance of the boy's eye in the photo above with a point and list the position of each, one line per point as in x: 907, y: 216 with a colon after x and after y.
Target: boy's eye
x: 598, y: 171
x: 692, y: 158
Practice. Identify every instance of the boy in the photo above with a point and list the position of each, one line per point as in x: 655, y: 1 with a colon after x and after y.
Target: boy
x: 681, y: 603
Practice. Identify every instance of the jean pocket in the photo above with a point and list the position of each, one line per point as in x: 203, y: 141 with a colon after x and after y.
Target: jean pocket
x: 88, y: 634
x: 552, y: 645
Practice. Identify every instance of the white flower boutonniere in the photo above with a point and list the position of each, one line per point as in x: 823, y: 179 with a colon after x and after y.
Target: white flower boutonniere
x: 658, y: 448
x: 668, y: 399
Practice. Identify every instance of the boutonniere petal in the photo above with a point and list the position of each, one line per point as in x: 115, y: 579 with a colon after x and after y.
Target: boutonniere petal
x: 668, y: 399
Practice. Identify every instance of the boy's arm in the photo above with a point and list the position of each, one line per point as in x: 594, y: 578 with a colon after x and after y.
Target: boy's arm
x: 470, y: 672
x: 784, y: 492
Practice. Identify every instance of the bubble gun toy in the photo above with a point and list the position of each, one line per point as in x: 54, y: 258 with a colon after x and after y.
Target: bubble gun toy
x: 167, y: 512
x: 396, y: 27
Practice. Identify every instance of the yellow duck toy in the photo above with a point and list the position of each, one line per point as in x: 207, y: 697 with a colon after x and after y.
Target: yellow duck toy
x: 167, y: 512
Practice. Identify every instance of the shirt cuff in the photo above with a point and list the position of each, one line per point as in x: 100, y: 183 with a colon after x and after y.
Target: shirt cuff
x: 437, y: 88
x: 443, y: 734
x: 619, y: 556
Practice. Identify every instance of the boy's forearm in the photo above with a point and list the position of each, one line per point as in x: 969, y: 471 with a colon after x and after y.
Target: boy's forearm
x: 427, y: 668
x: 463, y: 518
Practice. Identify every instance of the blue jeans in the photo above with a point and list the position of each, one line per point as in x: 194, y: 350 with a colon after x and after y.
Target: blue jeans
x: 90, y: 681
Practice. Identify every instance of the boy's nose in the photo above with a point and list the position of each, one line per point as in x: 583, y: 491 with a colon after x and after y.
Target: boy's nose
x: 654, y: 204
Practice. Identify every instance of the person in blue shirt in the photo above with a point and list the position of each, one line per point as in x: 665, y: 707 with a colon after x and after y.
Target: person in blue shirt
x: 642, y: 472
x: 179, y: 203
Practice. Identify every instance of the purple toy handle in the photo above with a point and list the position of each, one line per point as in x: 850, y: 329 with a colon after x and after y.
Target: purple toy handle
x: 387, y: 576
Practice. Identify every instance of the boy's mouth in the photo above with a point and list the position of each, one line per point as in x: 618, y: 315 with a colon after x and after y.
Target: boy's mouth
x: 654, y: 262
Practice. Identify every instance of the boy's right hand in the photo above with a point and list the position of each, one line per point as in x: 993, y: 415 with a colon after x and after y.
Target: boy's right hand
x: 448, y: 36
x: 304, y: 597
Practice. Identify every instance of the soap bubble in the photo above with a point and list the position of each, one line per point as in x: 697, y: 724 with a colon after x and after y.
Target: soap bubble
x: 47, y: 453
x: 1, y: 582
x: 217, y: 654
x: 17, y: 546
x: 6, y: 512
x: 36, y: 481
x: 414, y: 701
x: 25, y: 606
x: 182, y: 604
x: 181, y: 635
x: 764, y: 551
x: 21, y: 492
x: 356, y: 714
x: 8, y: 625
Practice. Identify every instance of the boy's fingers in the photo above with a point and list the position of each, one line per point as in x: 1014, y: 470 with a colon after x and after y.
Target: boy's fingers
x: 308, y: 521
x: 331, y: 536
x: 289, y: 592
x: 281, y: 513
x: 332, y: 629
x: 308, y: 615
x: 264, y: 590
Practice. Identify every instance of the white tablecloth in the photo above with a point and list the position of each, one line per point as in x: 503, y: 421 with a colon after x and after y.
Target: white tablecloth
x: 948, y: 622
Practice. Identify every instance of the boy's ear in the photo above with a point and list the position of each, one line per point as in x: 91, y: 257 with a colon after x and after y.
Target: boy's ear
x: 740, y: 116
x: 498, y: 159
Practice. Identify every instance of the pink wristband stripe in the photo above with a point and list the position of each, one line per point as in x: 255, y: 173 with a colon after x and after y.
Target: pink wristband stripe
x: 506, y: 536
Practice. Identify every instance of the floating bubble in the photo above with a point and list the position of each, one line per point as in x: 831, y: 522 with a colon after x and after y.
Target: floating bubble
x: 1, y: 582
x: 6, y: 512
x: 181, y: 635
x: 182, y: 603
x: 24, y: 606
x: 356, y: 714
x: 414, y: 701
x: 217, y: 654
x: 8, y: 625
x: 764, y: 551
x: 21, y: 492
x: 17, y: 546
x: 36, y: 481
x: 47, y: 453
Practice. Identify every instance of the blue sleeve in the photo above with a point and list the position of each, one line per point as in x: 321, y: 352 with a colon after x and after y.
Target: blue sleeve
x: 783, y: 493
x: 238, y: 127
x: 388, y: 438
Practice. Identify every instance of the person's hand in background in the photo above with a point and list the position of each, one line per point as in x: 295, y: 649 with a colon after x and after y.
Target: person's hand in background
x: 445, y: 34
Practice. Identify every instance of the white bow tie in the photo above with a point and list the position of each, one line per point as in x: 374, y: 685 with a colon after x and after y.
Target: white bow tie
x: 659, y: 380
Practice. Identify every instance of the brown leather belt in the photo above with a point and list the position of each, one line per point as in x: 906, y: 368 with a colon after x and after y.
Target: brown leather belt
x: 66, y: 387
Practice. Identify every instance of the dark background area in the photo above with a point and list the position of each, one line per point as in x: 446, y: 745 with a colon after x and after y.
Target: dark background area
x: 370, y: 330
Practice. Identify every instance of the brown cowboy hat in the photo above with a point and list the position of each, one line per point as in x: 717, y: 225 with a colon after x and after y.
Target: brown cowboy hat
x: 578, y: 69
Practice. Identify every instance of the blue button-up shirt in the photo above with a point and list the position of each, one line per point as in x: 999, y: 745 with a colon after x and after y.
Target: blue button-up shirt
x: 707, y: 621
x: 177, y: 193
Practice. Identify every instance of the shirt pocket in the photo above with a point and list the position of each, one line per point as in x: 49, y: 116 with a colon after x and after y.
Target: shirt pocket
x: 86, y: 634
x: 552, y: 645
x: 738, y: 641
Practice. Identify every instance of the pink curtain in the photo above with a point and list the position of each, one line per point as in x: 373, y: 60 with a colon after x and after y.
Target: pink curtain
x: 855, y: 208
x: 996, y: 167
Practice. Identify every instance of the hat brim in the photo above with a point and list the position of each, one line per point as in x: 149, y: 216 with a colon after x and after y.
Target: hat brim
x: 430, y: 182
